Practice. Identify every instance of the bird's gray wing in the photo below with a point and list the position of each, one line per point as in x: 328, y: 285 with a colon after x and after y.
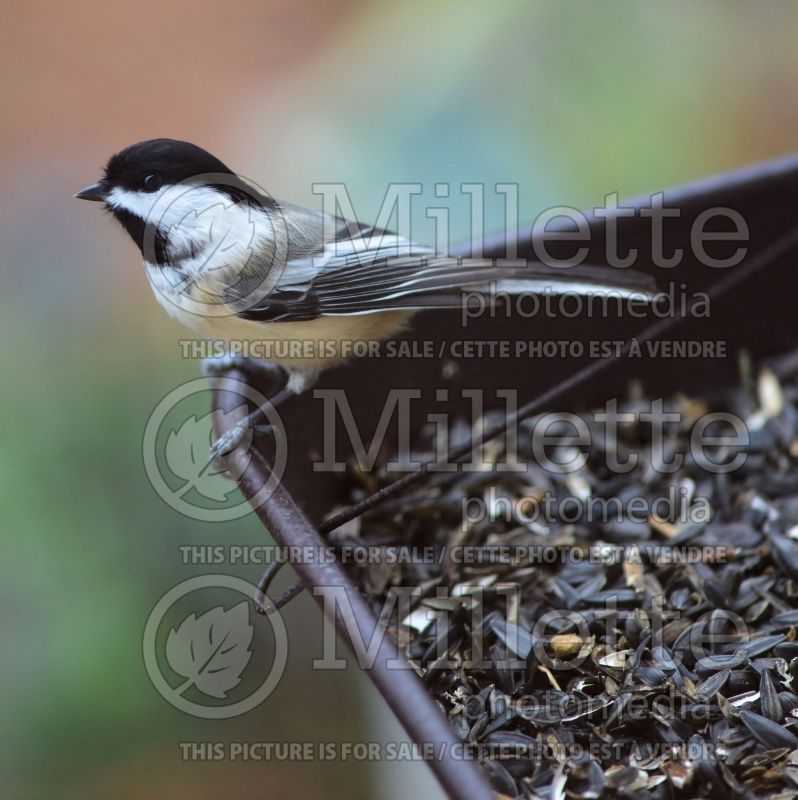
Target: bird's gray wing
x: 358, y: 269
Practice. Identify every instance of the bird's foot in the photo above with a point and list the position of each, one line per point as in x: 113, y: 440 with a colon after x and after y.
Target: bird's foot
x: 261, y: 419
x: 240, y: 435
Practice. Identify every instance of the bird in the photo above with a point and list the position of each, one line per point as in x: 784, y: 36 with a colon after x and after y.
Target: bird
x: 232, y: 263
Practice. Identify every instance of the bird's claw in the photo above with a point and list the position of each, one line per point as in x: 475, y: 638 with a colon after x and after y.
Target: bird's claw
x: 239, y: 435
x: 228, y: 442
x: 232, y: 439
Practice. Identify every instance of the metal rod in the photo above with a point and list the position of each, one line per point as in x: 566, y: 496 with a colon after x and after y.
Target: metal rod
x: 399, y: 685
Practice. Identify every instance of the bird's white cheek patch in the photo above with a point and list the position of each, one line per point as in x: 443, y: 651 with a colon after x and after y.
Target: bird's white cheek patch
x: 190, y: 217
x: 182, y: 204
x: 138, y: 203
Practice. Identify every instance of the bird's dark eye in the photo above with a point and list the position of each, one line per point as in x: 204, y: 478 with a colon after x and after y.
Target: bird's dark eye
x: 151, y: 183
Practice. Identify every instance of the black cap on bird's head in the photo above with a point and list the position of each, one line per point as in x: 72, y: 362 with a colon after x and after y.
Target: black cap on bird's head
x: 147, y: 166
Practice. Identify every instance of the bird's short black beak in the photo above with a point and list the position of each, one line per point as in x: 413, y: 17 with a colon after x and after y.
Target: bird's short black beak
x: 97, y: 192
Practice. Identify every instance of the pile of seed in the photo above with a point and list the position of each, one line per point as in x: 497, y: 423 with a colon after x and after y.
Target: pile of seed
x: 592, y: 657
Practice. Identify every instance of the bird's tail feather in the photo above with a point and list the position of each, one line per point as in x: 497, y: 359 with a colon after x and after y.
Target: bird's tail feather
x: 445, y: 283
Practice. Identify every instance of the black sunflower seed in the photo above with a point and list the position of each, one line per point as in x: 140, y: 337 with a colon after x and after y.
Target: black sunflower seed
x: 789, y: 701
x: 757, y: 647
x: 768, y: 733
x: 717, y: 663
x: 712, y: 685
x: 769, y: 702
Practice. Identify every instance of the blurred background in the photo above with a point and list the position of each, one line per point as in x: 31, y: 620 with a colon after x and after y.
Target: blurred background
x: 572, y: 101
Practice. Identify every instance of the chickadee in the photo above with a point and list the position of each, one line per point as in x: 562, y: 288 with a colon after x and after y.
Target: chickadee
x: 232, y: 263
